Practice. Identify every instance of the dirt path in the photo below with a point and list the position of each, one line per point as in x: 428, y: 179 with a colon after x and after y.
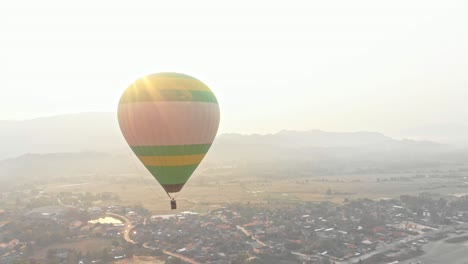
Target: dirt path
x: 181, y: 257
x: 247, y: 233
x: 139, y: 260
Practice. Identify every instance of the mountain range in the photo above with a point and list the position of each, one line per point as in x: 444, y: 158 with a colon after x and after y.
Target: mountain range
x: 92, y: 142
x: 100, y: 132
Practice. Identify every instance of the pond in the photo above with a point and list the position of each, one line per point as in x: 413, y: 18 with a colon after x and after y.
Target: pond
x: 106, y: 220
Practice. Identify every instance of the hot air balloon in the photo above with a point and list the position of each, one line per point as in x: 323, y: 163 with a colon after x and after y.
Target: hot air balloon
x: 169, y: 121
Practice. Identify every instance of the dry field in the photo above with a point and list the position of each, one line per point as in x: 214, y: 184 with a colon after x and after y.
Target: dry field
x: 202, y: 194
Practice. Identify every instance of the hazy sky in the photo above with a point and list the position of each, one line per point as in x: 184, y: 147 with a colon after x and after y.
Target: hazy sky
x: 333, y: 65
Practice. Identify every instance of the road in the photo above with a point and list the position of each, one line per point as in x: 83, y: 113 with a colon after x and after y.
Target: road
x: 175, y: 255
x: 65, y: 205
x: 247, y: 233
x: 127, y: 222
x: 181, y: 257
x: 128, y: 226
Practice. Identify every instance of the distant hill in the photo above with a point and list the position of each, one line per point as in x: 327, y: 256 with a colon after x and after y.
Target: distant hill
x: 323, y: 139
x: 34, y: 166
x: 100, y: 132
x: 329, y: 149
x: 455, y: 134
x: 92, y: 143
x: 65, y: 133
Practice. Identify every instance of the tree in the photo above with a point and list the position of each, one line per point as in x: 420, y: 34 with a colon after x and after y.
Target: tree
x: 157, y: 252
x: 50, y: 254
x: 21, y: 261
x: 420, y: 212
x: 442, y: 203
x: 174, y: 261
x: 241, y: 258
x: 29, y: 249
x: 105, y: 255
x: 115, y: 243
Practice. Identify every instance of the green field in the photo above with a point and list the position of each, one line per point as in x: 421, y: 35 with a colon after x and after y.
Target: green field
x: 87, y: 245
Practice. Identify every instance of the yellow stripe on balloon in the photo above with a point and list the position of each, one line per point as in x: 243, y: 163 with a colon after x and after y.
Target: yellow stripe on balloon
x: 180, y: 160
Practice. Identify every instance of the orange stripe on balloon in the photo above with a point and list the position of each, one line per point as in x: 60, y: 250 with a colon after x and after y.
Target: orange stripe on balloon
x: 168, y: 123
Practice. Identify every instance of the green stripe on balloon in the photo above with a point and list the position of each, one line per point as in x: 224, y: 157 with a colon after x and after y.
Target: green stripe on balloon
x: 172, y: 174
x: 170, y: 95
x: 195, y: 96
x: 171, y: 150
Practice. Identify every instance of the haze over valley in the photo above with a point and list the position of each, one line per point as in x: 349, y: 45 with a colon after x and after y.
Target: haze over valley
x: 92, y: 142
x: 89, y: 148
x: 242, y: 132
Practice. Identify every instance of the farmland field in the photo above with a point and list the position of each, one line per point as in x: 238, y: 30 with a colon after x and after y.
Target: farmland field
x: 203, y: 193
x: 87, y: 245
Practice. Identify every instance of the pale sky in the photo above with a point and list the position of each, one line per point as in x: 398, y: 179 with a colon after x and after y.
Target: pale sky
x: 334, y: 65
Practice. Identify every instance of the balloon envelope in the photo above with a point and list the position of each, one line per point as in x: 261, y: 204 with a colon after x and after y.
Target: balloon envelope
x: 170, y: 121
